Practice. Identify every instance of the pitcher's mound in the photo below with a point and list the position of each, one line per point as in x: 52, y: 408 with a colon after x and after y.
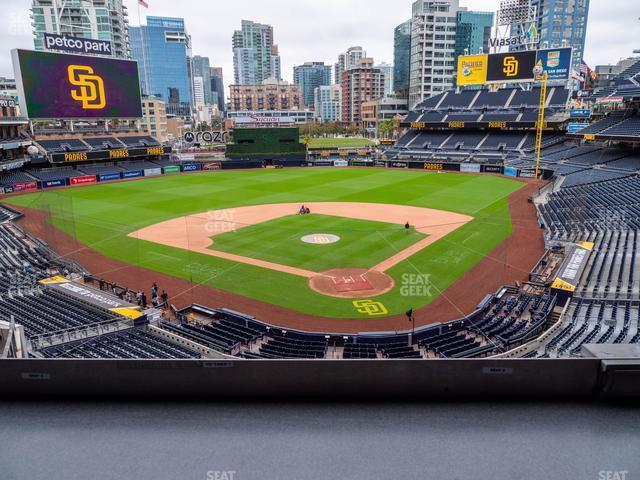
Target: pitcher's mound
x: 351, y: 283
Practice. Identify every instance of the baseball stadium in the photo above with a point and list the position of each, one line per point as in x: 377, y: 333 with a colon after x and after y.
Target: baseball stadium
x: 484, y: 230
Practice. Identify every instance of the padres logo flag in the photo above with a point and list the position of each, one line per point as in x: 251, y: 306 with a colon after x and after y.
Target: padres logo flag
x: 90, y: 89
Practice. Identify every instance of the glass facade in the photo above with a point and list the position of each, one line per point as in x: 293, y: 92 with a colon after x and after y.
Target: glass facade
x: 255, y: 56
x: 201, y: 68
x: 310, y: 76
x: 162, y: 50
x: 402, y: 58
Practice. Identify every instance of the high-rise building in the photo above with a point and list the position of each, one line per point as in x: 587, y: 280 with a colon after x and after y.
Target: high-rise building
x: 271, y: 94
x: 563, y: 23
x: 348, y: 60
x: 359, y: 84
x: 154, y: 118
x: 97, y: 19
x: 473, y: 31
x: 328, y: 103
x: 201, y: 68
x: 387, y: 70
x: 433, y: 41
x: 310, y: 76
x: 217, y: 87
x: 255, y: 56
x: 401, y: 58
x: 198, y: 91
x: 162, y: 49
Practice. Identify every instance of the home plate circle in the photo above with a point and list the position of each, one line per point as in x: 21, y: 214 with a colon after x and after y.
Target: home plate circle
x: 320, y: 238
x: 351, y: 283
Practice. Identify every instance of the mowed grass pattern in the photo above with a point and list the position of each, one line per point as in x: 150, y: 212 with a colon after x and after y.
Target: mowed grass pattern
x: 101, y: 216
x: 362, y: 244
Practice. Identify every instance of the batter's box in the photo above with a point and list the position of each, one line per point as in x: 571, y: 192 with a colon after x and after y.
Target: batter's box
x: 351, y: 283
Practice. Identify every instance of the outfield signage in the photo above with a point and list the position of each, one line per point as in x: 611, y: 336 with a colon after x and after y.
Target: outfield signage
x: 132, y: 174
x: 107, y: 177
x: 492, y: 168
x: 205, y: 137
x: 65, y: 43
x: 576, y: 127
x: 25, y: 186
x: 60, y: 182
x: 470, y: 167
x: 610, y: 100
x: 341, y: 163
x: 114, y: 154
x: 84, y: 180
x: 399, y: 165
x: 190, y: 167
x: 511, y: 171
x: 171, y: 169
x: 513, y: 66
x: 152, y: 172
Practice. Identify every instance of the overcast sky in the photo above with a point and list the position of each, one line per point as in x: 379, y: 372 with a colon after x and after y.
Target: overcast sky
x: 319, y: 30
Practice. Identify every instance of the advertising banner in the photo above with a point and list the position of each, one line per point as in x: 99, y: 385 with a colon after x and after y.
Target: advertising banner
x: 66, y: 43
x: 511, y: 66
x: 7, y: 189
x: 60, y: 182
x: 340, y: 163
x: 84, y: 180
x: 580, y: 113
x: 472, y: 69
x: 556, y: 62
x: 492, y: 168
x: 527, y: 173
x: 132, y: 174
x: 399, y: 165
x: 470, y: 167
x: 576, y: 127
x: 24, y: 186
x: 107, y: 177
x: 190, y: 167
x: 212, y: 166
x: 511, y: 171
x: 171, y: 169
x: 76, y: 86
x: 152, y: 172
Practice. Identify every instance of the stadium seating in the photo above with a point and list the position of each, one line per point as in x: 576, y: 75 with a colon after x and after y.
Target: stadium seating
x: 65, y: 145
x: 139, y: 141
x: 15, y: 176
x: 103, y: 143
x: 130, y: 343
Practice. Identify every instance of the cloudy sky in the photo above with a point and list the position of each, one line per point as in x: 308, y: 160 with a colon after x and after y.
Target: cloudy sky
x: 308, y: 30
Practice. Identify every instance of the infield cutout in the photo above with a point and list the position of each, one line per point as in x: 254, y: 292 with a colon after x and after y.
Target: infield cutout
x: 320, y: 238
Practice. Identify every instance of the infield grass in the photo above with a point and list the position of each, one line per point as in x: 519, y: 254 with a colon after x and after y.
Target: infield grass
x: 101, y: 216
x: 362, y: 244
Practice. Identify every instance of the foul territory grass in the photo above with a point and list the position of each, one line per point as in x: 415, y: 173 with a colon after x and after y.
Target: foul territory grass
x: 102, y: 216
x: 362, y: 244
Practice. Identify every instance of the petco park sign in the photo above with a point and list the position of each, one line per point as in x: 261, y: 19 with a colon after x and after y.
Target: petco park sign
x: 65, y: 43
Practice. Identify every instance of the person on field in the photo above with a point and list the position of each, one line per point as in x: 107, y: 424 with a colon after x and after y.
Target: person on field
x: 407, y: 226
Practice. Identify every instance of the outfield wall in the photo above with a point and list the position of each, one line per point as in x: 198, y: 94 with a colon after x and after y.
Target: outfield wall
x: 432, y: 166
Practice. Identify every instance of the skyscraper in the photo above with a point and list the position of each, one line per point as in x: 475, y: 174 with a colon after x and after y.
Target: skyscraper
x: 563, y: 23
x: 162, y: 49
x: 401, y: 58
x: 387, y: 71
x: 309, y: 76
x: 201, y: 68
x: 97, y: 19
x: 328, y: 103
x: 359, y: 84
x: 255, y: 56
x: 348, y: 60
x: 433, y: 41
x: 217, y: 87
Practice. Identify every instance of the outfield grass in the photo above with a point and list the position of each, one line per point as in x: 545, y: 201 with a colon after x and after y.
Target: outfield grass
x: 102, y: 216
x: 339, y: 142
x: 363, y: 244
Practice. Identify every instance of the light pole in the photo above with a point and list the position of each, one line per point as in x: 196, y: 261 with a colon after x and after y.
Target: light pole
x: 541, y: 75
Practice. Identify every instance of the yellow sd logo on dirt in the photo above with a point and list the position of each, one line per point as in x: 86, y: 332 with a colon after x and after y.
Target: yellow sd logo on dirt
x: 90, y: 89
x: 370, y: 307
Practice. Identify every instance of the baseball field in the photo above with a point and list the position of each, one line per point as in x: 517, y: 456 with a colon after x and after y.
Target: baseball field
x: 352, y: 256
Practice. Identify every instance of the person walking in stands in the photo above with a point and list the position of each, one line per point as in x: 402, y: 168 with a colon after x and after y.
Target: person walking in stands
x: 144, y: 301
x: 127, y: 296
x: 154, y: 291
x: 101, y: 284
x: 139, y: 298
